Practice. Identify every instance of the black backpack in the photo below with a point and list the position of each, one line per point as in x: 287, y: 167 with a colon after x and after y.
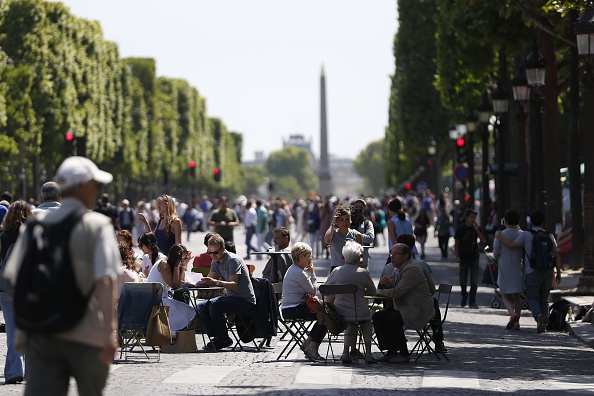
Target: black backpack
x: 47, y: 299
x: 557, y: 315
x: 541, y: 256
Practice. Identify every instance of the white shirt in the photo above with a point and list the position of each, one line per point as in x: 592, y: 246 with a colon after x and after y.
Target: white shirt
x: 251, y: 217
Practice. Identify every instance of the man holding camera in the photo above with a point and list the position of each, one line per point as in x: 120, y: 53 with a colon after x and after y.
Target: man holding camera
x: 365, y: 226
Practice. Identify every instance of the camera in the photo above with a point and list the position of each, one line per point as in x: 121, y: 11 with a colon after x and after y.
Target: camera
x: 355, y: 211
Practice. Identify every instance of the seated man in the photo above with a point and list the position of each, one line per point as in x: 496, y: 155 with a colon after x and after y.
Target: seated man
x: 239, y: 296
x: 412, y: 306
x: 277, y: 265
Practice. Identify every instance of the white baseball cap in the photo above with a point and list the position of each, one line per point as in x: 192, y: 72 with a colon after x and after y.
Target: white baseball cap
x: 76, y: 170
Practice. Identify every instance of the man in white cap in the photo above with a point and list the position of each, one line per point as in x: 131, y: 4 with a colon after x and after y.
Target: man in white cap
x: 86, y: 350
x: 127, y: 216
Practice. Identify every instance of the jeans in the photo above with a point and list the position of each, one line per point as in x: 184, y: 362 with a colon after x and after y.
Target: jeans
x: 15, y: 362
x: 301, y: 311
x: 389, y: 329
x: 473, y: 266
x: 538, y: 286
x: 314, y: 243
x: 249, y: 233
x: 212, y: 314
x: 443, y: 246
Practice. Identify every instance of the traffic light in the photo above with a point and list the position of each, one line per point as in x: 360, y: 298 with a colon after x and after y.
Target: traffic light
x: 461, y: 150
x: 216, y: 172
x: 192, y: 165
x: 408, y: 186
x: 69, y: 143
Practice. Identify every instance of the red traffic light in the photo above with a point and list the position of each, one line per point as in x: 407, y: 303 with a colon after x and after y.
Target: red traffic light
x: 460, y: 142
x: 69, y: 136
x: 215, y: 171
x: 192, y: 164
x: 467, y: 198
x: 407, y: 186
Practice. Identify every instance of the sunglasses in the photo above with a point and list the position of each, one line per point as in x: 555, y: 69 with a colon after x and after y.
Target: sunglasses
x: 215, y: 252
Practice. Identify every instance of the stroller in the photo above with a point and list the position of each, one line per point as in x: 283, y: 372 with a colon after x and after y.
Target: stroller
x: 490, y: 278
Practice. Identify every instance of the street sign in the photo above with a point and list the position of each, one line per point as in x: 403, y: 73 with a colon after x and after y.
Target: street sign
x: 461, y: 172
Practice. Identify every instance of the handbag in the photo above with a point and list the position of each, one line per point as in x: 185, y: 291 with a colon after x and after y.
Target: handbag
x: 158, y: 332
x: 311, y: 302
x: 185, y: 342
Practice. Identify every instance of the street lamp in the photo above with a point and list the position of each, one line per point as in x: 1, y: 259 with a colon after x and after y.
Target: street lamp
x: 431, y: 151
x: 584, y: 30
x: 484, y: 114
x: 521, y: 96
x: 535, y: 73
x: 500, y: 98
x: 471, y: 121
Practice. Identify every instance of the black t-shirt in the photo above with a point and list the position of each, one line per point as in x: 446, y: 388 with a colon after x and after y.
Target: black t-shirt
x: 467, y: 242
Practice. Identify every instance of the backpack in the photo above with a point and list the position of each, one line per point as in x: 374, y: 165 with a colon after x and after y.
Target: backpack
x: 541, y: 256
x: 557, y: 314
x: 47, y: 299
x: 5, y: 284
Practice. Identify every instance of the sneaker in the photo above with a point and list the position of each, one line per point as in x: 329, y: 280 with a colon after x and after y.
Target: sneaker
x: 314, y: 356
x: 463, y: 303
x: 515, y: 318
x: 441, y: 348
x: 15, y: 380
x: 541, y: 324
x: 399, y: 359
x: 473, y: 305
x: 346, y: 359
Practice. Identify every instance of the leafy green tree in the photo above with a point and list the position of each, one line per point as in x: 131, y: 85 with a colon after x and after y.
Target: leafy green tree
x: 295, y: 162
x: 369, y: 164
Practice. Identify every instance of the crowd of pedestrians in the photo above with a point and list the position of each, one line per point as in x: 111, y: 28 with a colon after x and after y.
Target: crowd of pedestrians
x: 341, y: 230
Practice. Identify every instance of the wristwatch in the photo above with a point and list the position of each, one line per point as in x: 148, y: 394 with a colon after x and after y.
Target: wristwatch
x: 218, y: 283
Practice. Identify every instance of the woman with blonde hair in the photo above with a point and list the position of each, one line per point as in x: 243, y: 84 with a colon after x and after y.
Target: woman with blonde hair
x: 17, y: 215
x: 168, y: 230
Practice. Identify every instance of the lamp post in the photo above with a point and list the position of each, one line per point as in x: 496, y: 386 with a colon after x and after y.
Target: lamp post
x: 521, y: 96
x: 500, y: 105
x: 453, y: 134
x: 484, y: 114
x: 584, y: 29
x: 535, y: 74
x: 471, y: 121
x: 431, y: 151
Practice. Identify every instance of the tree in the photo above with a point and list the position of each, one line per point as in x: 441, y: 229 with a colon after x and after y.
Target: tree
x: 369, y: 164
x: 295, y: 162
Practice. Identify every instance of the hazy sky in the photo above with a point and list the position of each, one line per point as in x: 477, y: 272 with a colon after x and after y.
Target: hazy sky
x: 258, y: 62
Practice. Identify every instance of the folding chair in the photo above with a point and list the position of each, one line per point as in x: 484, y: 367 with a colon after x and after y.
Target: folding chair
x: 133, y: 310
x: 262, y: 322
x: 426, y: 334
x: 327, y: 290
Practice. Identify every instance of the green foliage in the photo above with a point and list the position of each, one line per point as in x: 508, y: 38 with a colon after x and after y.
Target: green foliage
x: 254, y: 176
x: 369, y: 164
x: 58, y: 74
x: 292, y: 162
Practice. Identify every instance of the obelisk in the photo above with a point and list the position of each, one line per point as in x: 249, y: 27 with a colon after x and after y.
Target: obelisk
x: 324, y: 168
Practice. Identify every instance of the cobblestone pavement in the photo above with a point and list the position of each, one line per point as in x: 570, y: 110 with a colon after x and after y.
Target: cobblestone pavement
x: 484, y: 359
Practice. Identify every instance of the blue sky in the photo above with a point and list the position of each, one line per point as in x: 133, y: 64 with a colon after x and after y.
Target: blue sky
x: 258, y: 62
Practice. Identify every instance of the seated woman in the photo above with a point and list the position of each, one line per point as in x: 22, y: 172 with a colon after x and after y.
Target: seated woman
x: 126, y: 237
x: 170, y: 272
x: 128, y: 271
x: 345, y: 304
x: 152, y: 256
x: 300, y: 279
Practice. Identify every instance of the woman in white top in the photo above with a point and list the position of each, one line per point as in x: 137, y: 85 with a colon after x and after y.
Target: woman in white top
x: 147, y: 242
x: 170, y: 272
x: 299, y: 281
